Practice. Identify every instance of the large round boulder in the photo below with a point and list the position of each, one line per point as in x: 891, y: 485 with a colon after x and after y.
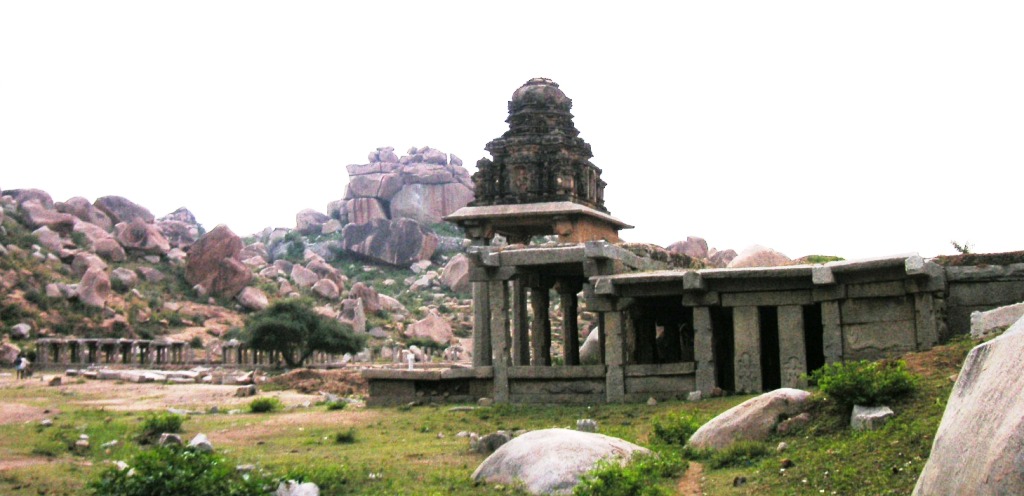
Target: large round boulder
x: 455, y: 275
x: 434, y: 327
x: 693, y: 247
x: 137, y: 235
x: 752, y: 420
x: 551, y: 461
x: 430, y: 203
x: 81, y: 208
x: 121, y: 209
x: 37, y: 215
x: 979, y: 447
x: 213, y: 263
x: 759, y: 256
x: 94, y: 288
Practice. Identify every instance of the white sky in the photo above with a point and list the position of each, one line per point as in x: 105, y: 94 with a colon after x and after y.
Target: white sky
x: 854, y: 128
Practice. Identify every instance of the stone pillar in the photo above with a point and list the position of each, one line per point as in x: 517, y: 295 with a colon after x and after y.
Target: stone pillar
x: 927, y: 321
x: 832, y: 325
x: 499, y: 338
x: 614, y: 357
x: 747, y: 360
x: 570, y: 323
x: 540, y: 329
x: 481, y: 324
x: 42, y: 350
x: 792, y: 351
x: 704, y: 349
x: 187, y: 352
x: 520, y: 325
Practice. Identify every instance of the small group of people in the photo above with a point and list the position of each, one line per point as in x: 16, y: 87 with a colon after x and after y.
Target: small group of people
x: 24, y: 367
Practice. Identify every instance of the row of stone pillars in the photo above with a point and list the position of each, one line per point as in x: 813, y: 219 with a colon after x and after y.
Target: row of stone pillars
x: 241, y: 355
x: 506, y: 331
x: 112, y: 351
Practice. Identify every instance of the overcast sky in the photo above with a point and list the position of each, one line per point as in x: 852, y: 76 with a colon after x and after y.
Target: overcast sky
x: 854, y: 128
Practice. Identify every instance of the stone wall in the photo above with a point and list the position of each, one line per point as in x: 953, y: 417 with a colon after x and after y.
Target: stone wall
x: 979, y: 288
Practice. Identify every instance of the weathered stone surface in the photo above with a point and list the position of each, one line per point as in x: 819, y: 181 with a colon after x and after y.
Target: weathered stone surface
x: 489, y: 443
x: 49, y: 239
x: 429, y: 203
x: 383, y: 154
x: 201, y: 443
x: 759, y: 256
x: 36, y: 215
x: 9, y: 352
x: 332, y: 226
x: 721, y: 259
x: 179, y: 234
x: 590, y: 351
x: 110, y: 249
x: 293, y: 488
x: 371, y: 299
x: 303, y: 277
x: 353, y: 314
x: 84, y: 261
x: 991, y: 322
x: 693, y: 247
x: 397, y: 242
x: 126, y: 278
x: 364, y: 210
x: 551, y: 461
x: 310, y: 221
x: 455, y: 275
x: 869, y: 418
x: 140, y: 236
x: 94, y: 288
x: 374, y: 185
x: 256, y: 249
x: 21, y: 330
x: 81, y: 208
x: 169, y: 439
x: 979, y: 446
x: 326, y: 288
x: 29, y: 194
x: 389, y: 304
x: 120, y: 209
x: 151, y: 274
x: 213, y: 263
x: 754, y: 419
x: 252, y: 298
x: 434, y: 327
x: 92, y: 232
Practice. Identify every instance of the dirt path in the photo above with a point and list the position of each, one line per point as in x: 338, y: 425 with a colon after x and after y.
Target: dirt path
x: 689, y: 485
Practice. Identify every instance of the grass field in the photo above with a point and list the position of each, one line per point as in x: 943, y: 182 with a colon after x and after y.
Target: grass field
x: 416, y: 450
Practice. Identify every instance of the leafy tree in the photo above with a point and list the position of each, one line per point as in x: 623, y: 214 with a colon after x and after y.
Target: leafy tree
x: 292, y: 328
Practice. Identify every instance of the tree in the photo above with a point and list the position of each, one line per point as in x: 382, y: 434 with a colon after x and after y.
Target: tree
x: 292, y: 328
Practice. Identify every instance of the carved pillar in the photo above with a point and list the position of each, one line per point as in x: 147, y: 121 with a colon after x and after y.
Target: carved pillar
x: 747, y: 361
x: 570, y: 321
x: 540, y: 328
x: 520, y: 325
x: 792, y: 352
x: 704, y: 349
x: 481, y: 324
x: 832, y: 325
x: 499, y: 338
x: 614, y: 357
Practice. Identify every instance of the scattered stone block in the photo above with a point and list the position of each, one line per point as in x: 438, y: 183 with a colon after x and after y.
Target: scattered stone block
x: 586, y: 425
x: 869, y: 418
x: 168, y: 439
x: 201, y: 443
x: 694, y: 396
x: 245, y: 391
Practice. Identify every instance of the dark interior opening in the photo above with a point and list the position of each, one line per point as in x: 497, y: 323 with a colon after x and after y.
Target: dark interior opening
x: 771, y: 371
x: 814, y: 340
x: 724, y: 347
x: 664, y: 331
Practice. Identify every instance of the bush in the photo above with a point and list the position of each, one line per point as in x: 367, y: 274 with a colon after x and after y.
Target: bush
x: 336, y: 405
x: 864, y: 383
x: 675, y: 429
x: 155, y: 424
x: 638, y: 477
x: 739, y: 454
x: 264, y: 405
x: 346, y: 437
x: 177, y: 470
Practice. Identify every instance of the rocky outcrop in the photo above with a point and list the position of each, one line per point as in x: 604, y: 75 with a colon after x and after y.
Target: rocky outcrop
x: 455, y: 275
x: 213, y: 263
x: 759, y: 256
x: 754, y: 419
x: 28, y: 194
x: 369, y: 296
x: 989, y: 323
x: 253, y: 299
x: 423, y: 185
x: 721, y: 259
x: 85, y: 211
x: 979, y: 446
x: 399, y: 242
x: 434, y: 327
x: 9, y: 352
x: 137, y: 235
x: 121, y: 209
x: 38, y: 215
x: 693, y: 247
x: 551, y: 461
x: 180, y: 228
x: 94, y: 288
x: 310, y: 222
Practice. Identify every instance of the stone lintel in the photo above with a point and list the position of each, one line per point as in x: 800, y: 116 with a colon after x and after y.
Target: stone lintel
x: 402, y: 375
x: 767, y: 298
x: 541, y: 256
x: 645, y: 370
x: 829, y: 293
x: 987, y: 273
x: 529, y: 211
x: 876, y: 289
x: 788, y: 271
x: 709, y: 299
x: 884, y: 262
x: 558, y: 372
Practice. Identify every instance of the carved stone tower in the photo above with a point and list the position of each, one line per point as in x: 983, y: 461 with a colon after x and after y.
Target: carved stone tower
x: 540, y: 180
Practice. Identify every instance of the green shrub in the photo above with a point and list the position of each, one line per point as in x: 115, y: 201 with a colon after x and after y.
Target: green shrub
x: 864, y: 383
x: 155, y: 424
x: 177, y: 470
x: 336, y: 405
x: 639, y: 477
x: 346, y: 437
x: 739, y: 454
x: 675, y: 428
x: 264, y: 405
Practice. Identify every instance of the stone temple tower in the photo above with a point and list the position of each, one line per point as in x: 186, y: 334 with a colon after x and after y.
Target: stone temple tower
x: 540, y: 180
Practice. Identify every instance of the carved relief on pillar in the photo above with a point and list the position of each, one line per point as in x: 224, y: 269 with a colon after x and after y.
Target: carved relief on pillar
x: 748, y: 374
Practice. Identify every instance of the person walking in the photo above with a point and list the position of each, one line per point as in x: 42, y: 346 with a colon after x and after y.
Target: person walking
x: 21, y: 366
